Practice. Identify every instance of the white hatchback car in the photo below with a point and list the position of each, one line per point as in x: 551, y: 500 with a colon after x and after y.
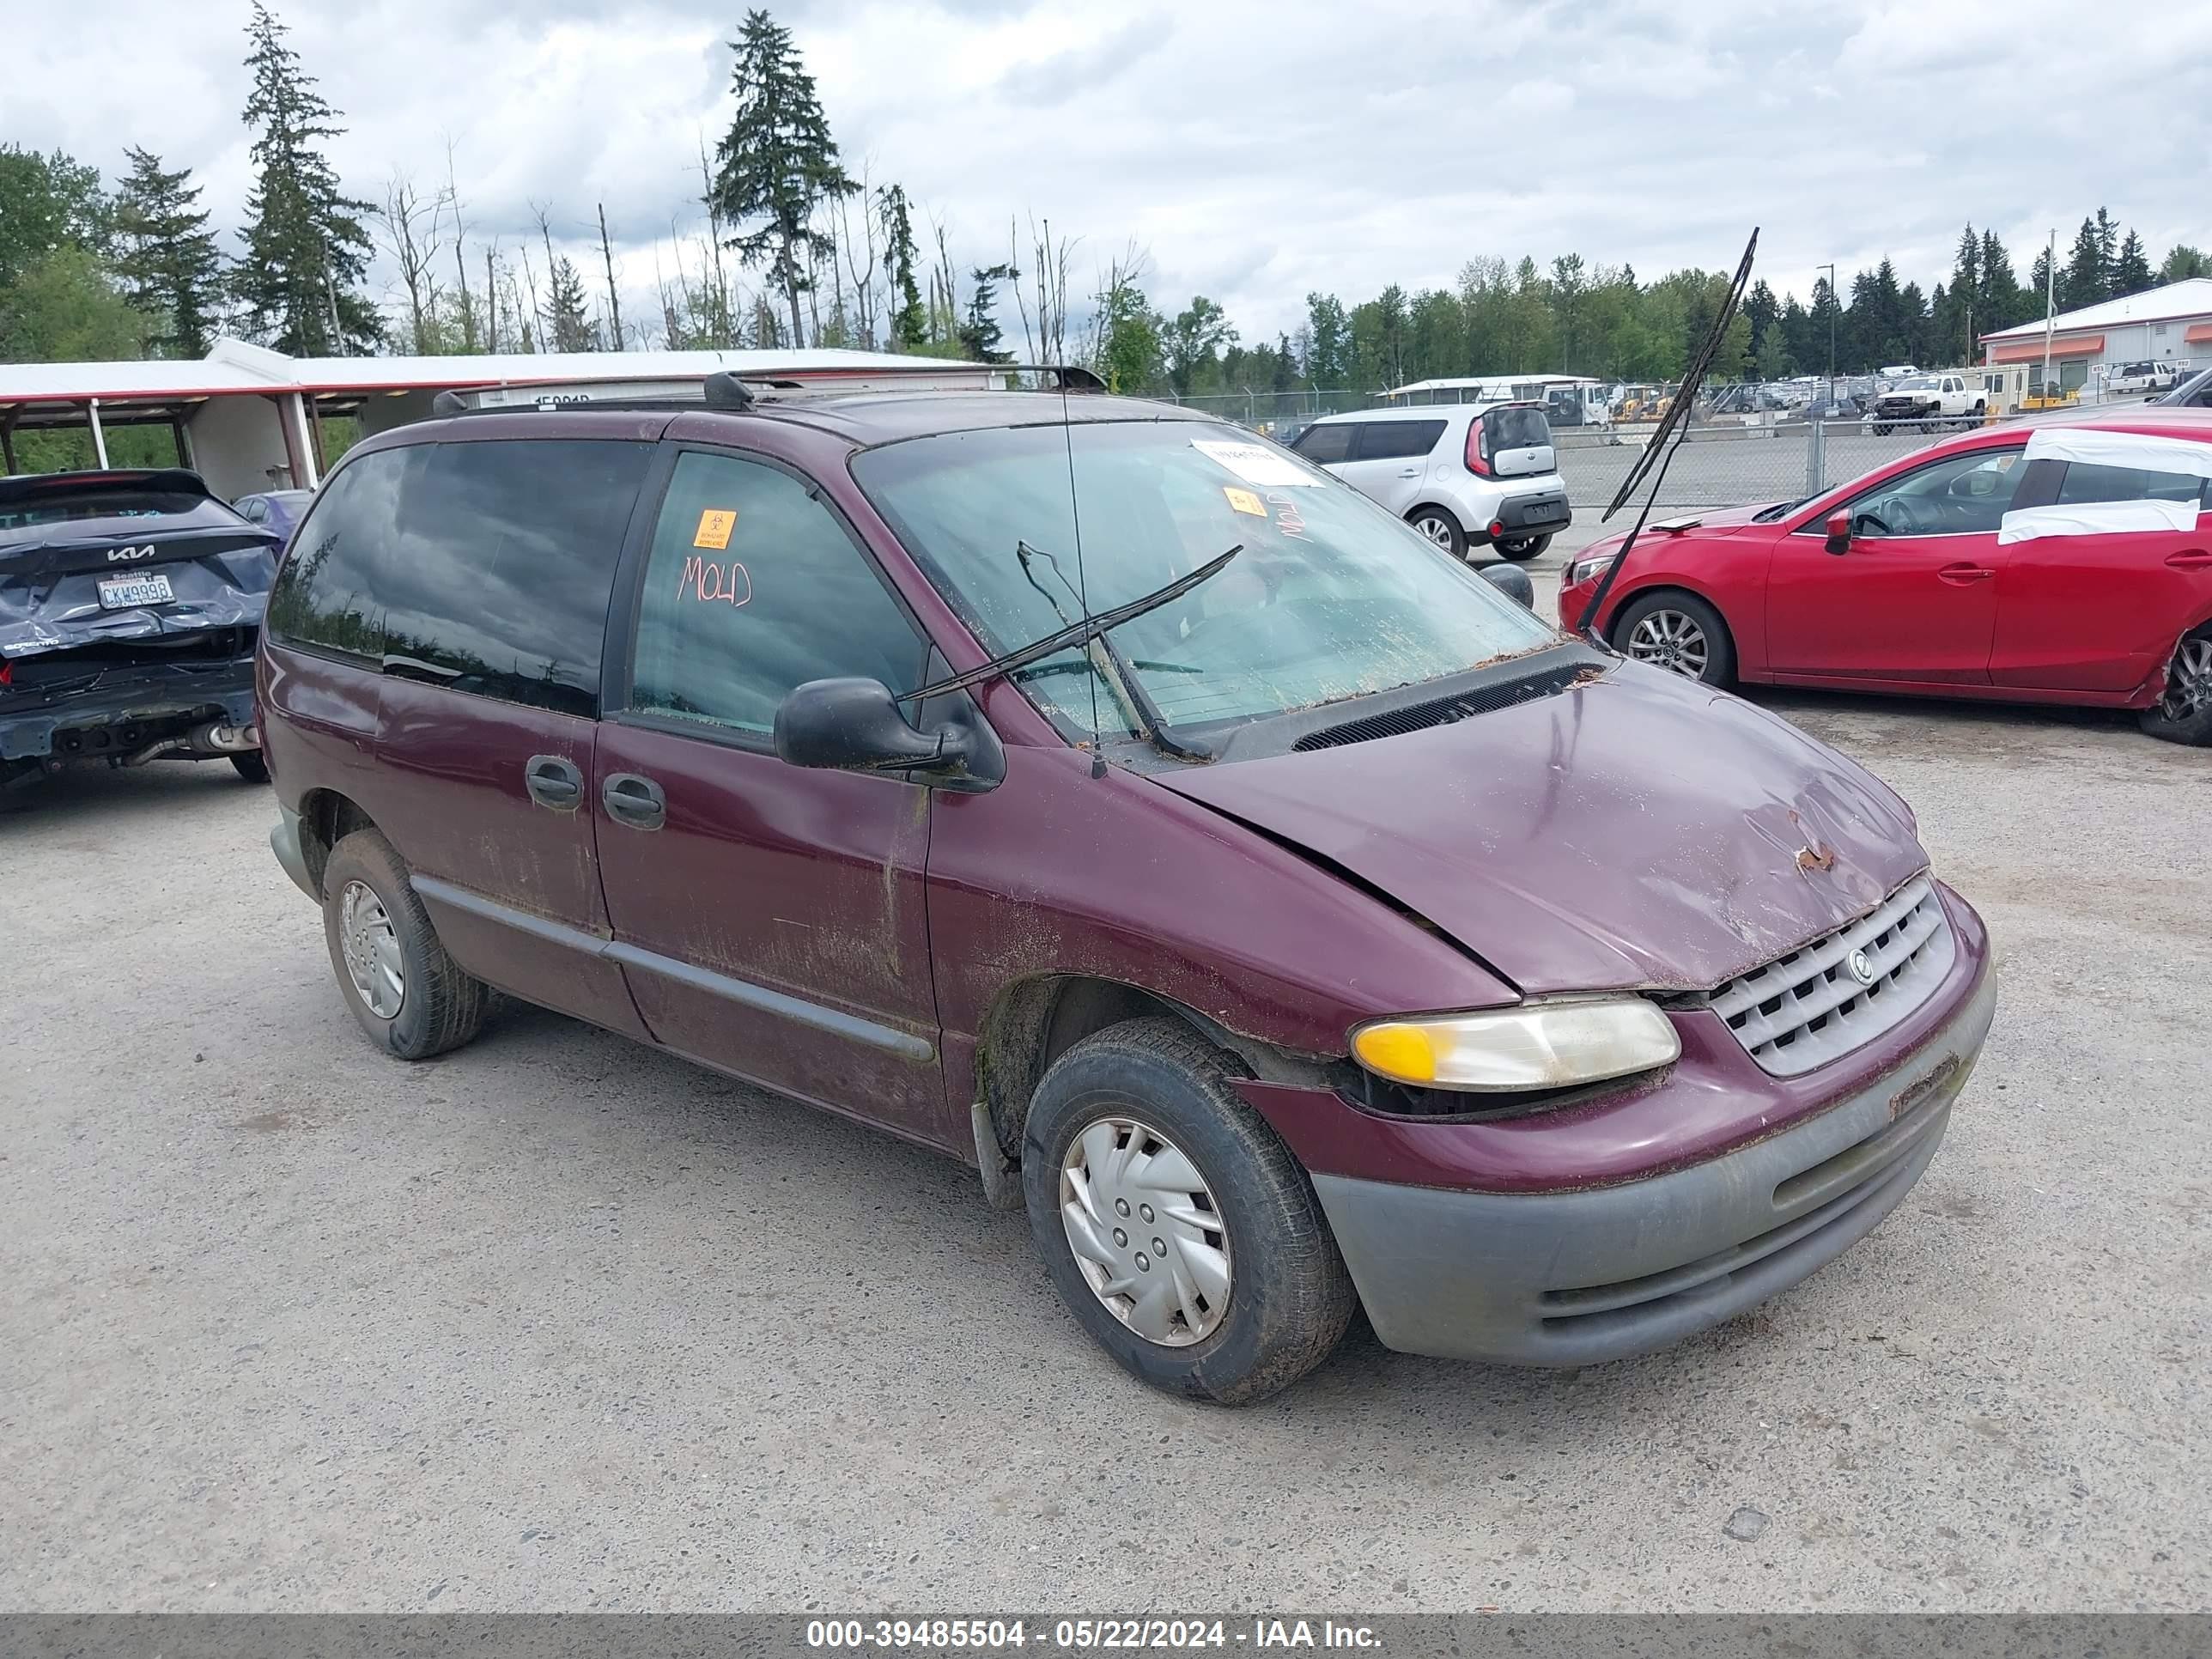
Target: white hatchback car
x: 1464, y: 475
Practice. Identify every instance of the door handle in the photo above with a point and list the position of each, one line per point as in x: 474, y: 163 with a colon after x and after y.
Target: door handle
x: 553, y: 783
x: 1960, y: 574
x: 2190, y: 558
x: 1410, y: 472
x: 635, y: 800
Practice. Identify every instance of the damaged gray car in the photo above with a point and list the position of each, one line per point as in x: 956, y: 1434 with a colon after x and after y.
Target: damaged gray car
x: 129, y: 604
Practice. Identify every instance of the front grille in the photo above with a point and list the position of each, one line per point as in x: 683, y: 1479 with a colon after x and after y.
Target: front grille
x: 1808, y: 1007
x: 1444, y: 710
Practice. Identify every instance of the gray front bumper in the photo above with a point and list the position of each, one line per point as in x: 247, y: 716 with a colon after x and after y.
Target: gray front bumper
x: 1573, y: 1278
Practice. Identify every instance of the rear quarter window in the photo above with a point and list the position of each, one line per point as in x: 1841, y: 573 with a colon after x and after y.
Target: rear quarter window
x: 1391, y: 440
x: 482, y: 565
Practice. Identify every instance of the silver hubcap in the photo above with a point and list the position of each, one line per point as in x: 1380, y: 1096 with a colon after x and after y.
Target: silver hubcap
x: 1670, y: 640
x: 2189, y: 682
x: 1435, y: 529
x: 1145, y: 1231
x: 371, y: 950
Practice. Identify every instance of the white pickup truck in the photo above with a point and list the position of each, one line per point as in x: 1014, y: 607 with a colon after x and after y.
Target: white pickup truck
x: 2141, y: 377
x: 1931, y: 402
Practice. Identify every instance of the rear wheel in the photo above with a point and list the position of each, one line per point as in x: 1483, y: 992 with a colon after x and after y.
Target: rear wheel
x: 411, y: 998
x: 1677, y: 632
x: 2183, y: 713
x: 1517, y: 548
x: 252, y: 766
x: 1180, y: 1232
x: 1437, y: 525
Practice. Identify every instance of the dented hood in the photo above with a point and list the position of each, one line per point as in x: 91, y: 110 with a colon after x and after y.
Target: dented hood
x: 1640, y: 830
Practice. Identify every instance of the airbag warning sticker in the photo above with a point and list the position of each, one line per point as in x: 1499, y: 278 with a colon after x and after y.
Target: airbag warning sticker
x: 715, y: 524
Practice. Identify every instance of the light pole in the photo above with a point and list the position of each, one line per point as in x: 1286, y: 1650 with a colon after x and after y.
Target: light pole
x: 1833, y: 306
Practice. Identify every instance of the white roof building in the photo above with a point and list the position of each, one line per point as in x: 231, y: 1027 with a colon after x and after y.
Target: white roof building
x: 2171, y: 323
x: 250, y: 419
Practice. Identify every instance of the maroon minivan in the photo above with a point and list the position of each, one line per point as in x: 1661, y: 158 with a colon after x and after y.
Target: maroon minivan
x: 1092, y: 792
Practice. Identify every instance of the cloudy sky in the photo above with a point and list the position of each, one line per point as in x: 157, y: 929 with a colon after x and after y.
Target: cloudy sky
x: 1256, y: 150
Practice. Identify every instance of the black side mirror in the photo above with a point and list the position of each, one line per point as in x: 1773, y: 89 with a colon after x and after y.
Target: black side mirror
x: 854, y: 725
x: 1840, y: 533
x: 1511, y: 581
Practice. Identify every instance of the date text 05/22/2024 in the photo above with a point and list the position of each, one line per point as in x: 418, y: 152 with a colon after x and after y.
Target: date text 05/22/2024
x: 988, y: 1635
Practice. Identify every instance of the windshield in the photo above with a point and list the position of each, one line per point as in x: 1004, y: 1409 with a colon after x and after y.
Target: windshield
x: 1331, y: 597
x: 1917, y: 383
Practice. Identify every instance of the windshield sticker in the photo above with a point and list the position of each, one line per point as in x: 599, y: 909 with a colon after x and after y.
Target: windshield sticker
x: 707, y: 578
x: 1255, y: 464
x: 715, y: 524
x: 1244, y: 501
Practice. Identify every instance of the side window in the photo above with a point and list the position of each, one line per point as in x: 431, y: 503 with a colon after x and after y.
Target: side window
x: 255, y: 509
x: 1324, y: 444
x: 501, y: 561
x: 330, y: 594
x: 1392, y: 440
x: 753, y: 587
x: 2084, y: 484
x: 1964, y: 494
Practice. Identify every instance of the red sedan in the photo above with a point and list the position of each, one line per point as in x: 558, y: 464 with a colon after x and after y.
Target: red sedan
x: 2062, y: 561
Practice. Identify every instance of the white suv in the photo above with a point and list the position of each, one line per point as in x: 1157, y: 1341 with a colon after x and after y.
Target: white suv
x: 1464, y: 475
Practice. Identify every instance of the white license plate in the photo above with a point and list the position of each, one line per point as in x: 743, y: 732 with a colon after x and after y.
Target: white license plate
x: 121, y: 593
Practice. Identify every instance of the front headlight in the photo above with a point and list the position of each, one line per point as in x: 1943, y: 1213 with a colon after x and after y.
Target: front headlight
x: 1538, y: 1045
x: 1583, y: 570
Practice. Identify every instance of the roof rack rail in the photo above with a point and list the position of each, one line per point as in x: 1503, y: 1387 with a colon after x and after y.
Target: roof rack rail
x: 734, y: 391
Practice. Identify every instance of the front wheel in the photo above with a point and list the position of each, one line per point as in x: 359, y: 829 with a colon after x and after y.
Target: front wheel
x: 2183, y: 713
x: 1679, y: 633
x: 1178, y: 1229
x: 1439, y: 528
x: 1519, y: 548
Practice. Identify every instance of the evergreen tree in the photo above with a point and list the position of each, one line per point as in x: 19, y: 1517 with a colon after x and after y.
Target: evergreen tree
x: 568, y: 311
x: 779, y: 162
x: 2086, y: 277
x: 910, y: 321
x: 2003, y: 303
x: 305, y: 247
x: 2038, y: 286
x: 1764, y: 312
x: 979, y: 334
x: 1328, y: 342
x: 2131, y: 268
x: 167, y: 255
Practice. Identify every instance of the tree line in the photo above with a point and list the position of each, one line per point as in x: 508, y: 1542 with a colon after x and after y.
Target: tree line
x: 837, y: 257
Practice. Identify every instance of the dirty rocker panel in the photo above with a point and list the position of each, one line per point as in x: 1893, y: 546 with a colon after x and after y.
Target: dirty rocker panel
x: 905, y: 1044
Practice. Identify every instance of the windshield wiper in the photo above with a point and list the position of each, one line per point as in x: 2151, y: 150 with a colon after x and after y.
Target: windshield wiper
x: 1080, y: 631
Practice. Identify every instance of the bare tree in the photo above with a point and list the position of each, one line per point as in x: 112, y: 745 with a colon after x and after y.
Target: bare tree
x: 614, y: 299
x: 464, y: 299
x: 1049, y: 265
x: 944, y: 290
x: 724, y: 313
x: 408, y: 227
x: 491, y: 296
x: 536, y: 323
x: 863, y: 277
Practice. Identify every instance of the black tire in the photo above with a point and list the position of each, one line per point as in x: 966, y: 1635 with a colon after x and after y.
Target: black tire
x: 1719, y: 666
x: 1520, y: 549
x: 252, y: 766
x: 1289, y: 1296
x: 2178, y: 716
x: 441, y: 1007
x: 1440, y: 526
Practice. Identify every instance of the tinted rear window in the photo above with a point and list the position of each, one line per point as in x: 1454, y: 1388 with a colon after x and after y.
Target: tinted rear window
x: 1324, y: 444
x: 1390, y: 440
x: 485, y: 567
x: 1516, y: 428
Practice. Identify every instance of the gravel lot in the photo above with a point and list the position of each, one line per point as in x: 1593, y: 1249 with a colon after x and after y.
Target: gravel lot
x: 557, y: 1324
